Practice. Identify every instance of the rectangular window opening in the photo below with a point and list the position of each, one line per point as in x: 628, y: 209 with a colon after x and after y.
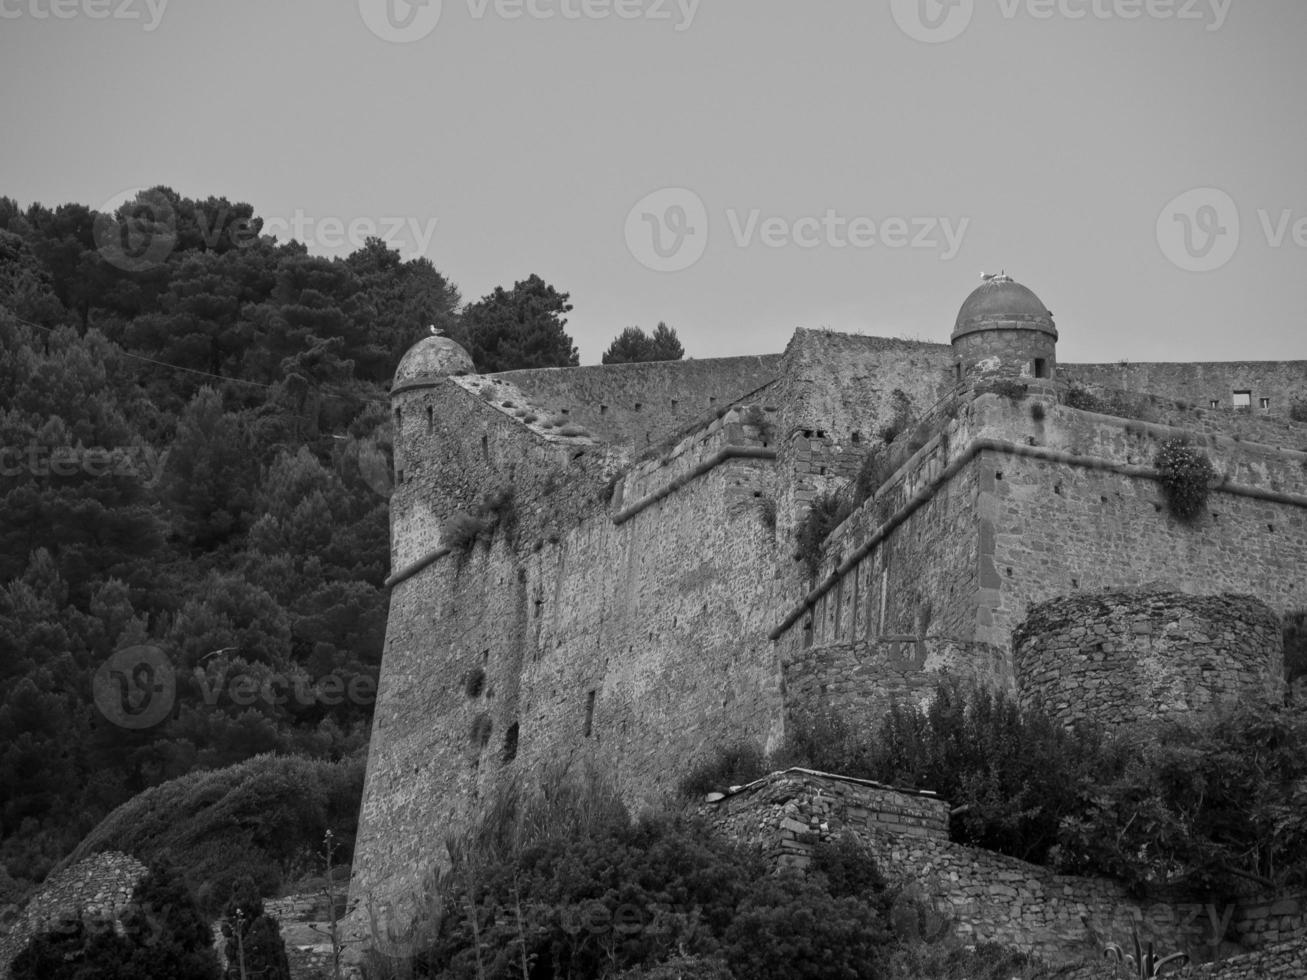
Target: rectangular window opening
x: 1243, y: 400
x: 589, y: 714
x: 1264, y: 404
x: 1041, y: 367
x: 1215, y: 403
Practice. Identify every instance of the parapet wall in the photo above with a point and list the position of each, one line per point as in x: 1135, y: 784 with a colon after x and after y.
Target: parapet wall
x: 1121, y: 657
x: 639, y: 405
x: 1201, y: 383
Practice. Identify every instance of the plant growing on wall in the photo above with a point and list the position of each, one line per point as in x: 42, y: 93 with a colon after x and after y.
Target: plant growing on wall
x: 826, y: 513
x: 1186, y: 476
x: 1145, y: 965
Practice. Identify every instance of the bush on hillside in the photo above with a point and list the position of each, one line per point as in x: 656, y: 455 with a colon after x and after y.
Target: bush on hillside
x: 570, y: 886
x: 261, y: 818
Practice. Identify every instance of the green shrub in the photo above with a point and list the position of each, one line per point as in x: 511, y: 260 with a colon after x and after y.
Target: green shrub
x: 1295, y: 645
x: 1076, y: 396
x: 1009, y: 388
x: 1210, y: 804
x: 573, y: 430
x: 767, y: 512
x: 253, y: 947
x: 949, y: 961
x: 1298, y: 410
x: 827, y: 512
x: 734, y: 765
x: 1014, y: 774
x: 791, y: 928
x: 461, y: 531
x: 1186, y: 476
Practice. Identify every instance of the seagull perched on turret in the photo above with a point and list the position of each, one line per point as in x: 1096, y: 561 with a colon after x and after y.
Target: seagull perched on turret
x: 435, y: 331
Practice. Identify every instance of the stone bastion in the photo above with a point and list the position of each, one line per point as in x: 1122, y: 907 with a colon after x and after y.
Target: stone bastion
x: 1125, y: 657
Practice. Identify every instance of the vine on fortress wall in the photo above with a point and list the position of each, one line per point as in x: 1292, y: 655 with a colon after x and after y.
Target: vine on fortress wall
x: 1186, y: 476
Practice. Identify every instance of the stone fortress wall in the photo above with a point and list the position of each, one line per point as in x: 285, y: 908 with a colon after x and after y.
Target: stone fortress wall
x: 1204, y: 384
x: 1116, y: 658
x: 639, y: 604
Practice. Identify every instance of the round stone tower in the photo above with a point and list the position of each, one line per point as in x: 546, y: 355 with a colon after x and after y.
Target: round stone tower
x: 1131, y: 655
x: 1004, y: 331
x: 419, y: 406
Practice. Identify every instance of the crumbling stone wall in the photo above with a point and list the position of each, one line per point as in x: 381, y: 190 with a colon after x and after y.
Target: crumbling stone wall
x: 99, y: 886
x: 1283, y: 961
x: 1122, y: 657
x: 976, y: 895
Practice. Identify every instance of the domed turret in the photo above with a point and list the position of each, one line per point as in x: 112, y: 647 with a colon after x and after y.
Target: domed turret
x: 431, y: 358
x: 1004, y: 330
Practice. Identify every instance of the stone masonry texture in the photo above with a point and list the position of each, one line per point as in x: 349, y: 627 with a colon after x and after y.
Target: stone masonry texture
x: 597, y: 566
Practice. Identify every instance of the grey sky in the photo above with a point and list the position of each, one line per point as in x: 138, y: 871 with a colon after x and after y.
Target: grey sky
x: 1044, y: 143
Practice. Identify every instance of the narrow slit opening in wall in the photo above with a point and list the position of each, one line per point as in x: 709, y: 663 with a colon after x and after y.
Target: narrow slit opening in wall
x: 589, y: 714
x: 603, y: 409
x: 485, y: 445
x: 1264, y: 404
x: 431, y: 421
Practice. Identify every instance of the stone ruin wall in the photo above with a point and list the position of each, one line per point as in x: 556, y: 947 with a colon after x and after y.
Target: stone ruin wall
x: 99, y: 886
x: 1118, y: 658
x: 973, y: 895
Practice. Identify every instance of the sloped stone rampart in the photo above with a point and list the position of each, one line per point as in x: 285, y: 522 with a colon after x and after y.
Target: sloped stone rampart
x: 1121, y: 657
x: 101, y: 885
